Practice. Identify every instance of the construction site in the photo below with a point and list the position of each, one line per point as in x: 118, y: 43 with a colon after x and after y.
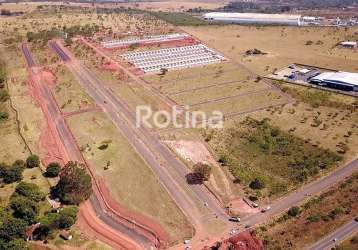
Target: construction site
x: 181, y: 187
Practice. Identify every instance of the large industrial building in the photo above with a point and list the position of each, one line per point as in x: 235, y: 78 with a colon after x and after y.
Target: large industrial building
x: 255, y: 18
x: 338, y: 80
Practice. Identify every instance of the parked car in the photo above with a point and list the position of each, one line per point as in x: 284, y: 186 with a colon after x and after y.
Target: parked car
x: 235, y: 219
x: 264, y: 210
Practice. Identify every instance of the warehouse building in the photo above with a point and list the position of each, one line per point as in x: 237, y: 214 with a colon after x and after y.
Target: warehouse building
x: 255, y: 18
x: 339, y: 80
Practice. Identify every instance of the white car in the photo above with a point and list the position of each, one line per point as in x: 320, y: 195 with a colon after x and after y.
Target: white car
x: 264, y: 210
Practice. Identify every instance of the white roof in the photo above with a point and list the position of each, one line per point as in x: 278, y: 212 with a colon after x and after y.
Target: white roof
x: 304, y: 71
x: 349, y: 43
x: 251, y: 15
x: 338, y: 77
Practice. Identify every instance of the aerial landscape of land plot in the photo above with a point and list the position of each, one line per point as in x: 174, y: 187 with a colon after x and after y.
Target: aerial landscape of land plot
x: 194, y: 124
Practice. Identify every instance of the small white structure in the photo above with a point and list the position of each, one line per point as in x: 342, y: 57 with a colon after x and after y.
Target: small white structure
x: 173, y: 58
x: 340, y: 80
x: 254, y: 18
x: 349, y: 44
x: 304, y: 71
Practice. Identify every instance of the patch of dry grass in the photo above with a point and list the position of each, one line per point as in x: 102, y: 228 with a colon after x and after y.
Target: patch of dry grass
x: 129, y: 179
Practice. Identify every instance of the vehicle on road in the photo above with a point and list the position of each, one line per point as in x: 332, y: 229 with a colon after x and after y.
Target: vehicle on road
x: 235, y: 219
x: 264, y: 210
x: 233, y: 231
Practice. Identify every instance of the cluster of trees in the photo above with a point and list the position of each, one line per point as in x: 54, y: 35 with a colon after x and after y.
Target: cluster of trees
x: 13, y: 173
x: 52, y: 221
x: 23, y: 209
x: 21, y: 212
x: 44, y: 36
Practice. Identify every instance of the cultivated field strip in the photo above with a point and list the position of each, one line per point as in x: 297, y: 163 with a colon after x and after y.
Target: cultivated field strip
x: 217, y: 93
x: 247, y: 103
x: 191, y: 73
x: 204, y: 81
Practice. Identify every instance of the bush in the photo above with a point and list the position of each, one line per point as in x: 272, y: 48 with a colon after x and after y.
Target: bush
x: 294, y: 211
x: 74, y: 186
x: 16, y: 244
x: 32, y: 161
x: 53, y: 169
x: 257, y: 184
x: 13, y: 173
x: 4, y: 95
x: 202, y: 171
x: 3, y: 115
x: 24, y: 208
x: 30, y: 191
x: 12, y: 228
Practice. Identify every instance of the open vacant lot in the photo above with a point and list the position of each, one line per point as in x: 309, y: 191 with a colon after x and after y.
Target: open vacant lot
x: 268, y: 161
x: 283, y: 45
x: 129, y: 179
x: 223, y: 87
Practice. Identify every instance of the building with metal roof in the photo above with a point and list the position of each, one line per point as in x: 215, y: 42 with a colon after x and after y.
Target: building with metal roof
x: 254, y: 18
x: 340, y: 80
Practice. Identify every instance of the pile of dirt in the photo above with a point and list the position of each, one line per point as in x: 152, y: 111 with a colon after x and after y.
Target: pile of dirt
x: 243, y: 241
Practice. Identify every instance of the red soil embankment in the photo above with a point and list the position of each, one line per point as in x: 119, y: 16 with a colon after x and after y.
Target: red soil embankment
x: 243, y: 241
x: 139, y: 218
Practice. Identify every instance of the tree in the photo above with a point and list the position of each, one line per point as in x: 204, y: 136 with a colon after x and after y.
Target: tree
x: 41, y: 232
x: 68, y: 217
x: 202, y: 171
x: 75, y: 184
x: 293, y: 211
x: 53, y: 170
x: 13, y: 173
x: 257, y: 184
x: 32, y: 161
x: 12, y: 228
x: 16, y: 244
x: 24, y: 208
x: 30, y: 191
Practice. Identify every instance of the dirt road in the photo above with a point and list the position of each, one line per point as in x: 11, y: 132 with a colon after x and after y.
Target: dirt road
x: 109, y: 230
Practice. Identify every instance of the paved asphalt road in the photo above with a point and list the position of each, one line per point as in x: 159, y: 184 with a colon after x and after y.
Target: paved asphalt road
x: 340, y: 235
x: 166, y: 166
x: 308, y: 190
x: 171, y: 175
x: 59, y: 126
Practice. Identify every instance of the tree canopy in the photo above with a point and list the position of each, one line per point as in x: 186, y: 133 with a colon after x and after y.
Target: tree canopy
x: 74, y: 186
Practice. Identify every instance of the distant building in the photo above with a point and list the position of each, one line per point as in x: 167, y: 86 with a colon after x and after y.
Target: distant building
x: 338, y: 80
x: 254, y: 18
x: 349, y: 44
